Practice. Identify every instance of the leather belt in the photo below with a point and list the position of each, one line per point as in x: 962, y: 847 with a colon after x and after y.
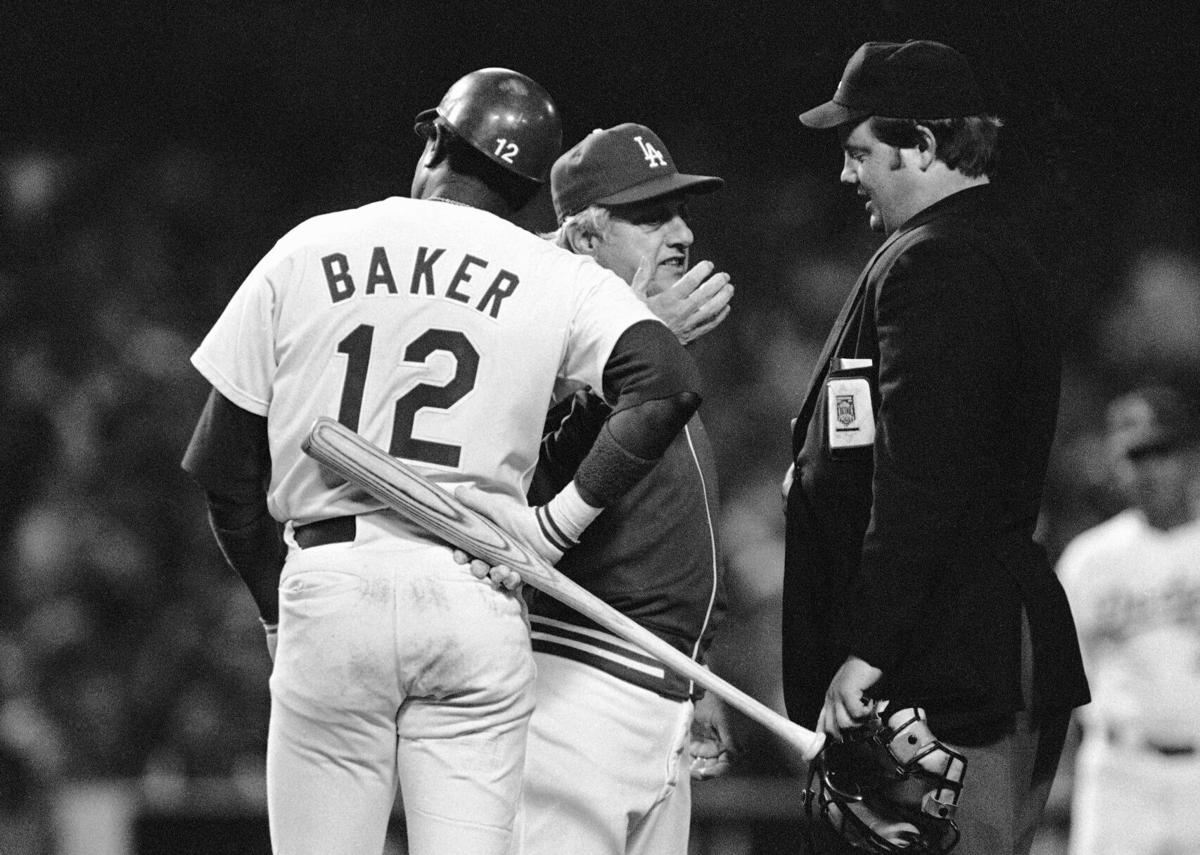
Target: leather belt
x: 325, y: 532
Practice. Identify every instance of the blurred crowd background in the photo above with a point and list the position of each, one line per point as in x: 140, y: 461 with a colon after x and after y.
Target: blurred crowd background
x: 150, y: 153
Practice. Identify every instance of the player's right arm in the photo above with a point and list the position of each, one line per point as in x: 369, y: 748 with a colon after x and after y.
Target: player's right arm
x: 653, y: 387
x: 229, y: 457
x: 571, y: 429
x: 693, y: 306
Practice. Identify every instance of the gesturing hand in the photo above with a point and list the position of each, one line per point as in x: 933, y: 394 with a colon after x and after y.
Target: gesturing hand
x: 693, y: 306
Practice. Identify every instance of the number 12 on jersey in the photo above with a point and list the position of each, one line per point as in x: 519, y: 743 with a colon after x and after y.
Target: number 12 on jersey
x: 357, y: 348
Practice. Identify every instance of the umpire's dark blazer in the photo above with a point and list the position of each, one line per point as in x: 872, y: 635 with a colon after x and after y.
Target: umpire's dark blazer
x: 917, y: 553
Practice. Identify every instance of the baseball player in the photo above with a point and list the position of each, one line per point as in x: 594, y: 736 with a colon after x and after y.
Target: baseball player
x: 439, y: 330
x: 1134, y: 586
x: 654, y: 555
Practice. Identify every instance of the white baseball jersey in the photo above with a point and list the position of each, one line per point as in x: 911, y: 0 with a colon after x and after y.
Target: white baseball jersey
x: 1135, y: 595
x: 437, y: 331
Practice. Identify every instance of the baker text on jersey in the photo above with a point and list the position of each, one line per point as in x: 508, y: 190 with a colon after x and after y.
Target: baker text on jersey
x: 458, y: 286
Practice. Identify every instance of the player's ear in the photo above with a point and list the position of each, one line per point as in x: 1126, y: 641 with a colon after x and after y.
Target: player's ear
x: 437, y: 146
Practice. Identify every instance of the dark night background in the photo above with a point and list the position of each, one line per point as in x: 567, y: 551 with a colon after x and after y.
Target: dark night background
x: 150, y: 153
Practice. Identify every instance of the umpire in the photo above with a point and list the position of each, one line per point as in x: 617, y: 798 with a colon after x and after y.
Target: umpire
x: 911, y: 572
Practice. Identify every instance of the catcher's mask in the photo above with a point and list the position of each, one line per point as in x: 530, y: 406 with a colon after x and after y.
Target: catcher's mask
x: 891, y: 787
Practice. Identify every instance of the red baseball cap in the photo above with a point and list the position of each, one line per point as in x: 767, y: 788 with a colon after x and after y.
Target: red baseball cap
x: 617, y: 166
x: 901, y: 80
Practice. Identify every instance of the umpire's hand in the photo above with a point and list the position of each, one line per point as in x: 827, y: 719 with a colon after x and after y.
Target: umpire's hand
x: 848, y: 703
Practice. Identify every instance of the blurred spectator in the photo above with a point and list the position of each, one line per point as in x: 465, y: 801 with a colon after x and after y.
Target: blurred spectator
x: 1134, y: 586
x: 117, y: 645
x: 1153, y: 320
x: 31, y: 756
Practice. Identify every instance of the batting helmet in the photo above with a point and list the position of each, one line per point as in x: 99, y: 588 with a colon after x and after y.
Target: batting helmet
x: 505, y: 115
x: 892, y: 788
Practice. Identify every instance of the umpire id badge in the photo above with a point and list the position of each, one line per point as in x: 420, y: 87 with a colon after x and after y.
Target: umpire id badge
x: 848, y: 402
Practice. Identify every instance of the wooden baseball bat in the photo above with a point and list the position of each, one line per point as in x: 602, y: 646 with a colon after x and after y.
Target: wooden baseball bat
x: 408, y: 492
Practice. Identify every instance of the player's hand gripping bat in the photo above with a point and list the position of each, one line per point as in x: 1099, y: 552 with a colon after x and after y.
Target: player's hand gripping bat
x: 411, y: 494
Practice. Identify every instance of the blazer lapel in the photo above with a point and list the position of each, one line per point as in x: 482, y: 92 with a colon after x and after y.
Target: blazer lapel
x: 852, y: 307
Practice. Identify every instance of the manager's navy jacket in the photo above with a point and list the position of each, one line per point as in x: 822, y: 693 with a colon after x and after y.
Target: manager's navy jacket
x: 916, y: 552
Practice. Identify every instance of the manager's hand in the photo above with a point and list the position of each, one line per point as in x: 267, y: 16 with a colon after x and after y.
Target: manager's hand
x: 693, y: 306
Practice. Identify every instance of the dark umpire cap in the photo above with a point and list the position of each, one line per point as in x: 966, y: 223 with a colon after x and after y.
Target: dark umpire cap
x: 908, y: 80
x: 1153, y: 419
x: 624, y: 164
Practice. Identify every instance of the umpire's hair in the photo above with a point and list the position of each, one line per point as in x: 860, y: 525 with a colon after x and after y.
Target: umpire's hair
x: 465, y: 159
x: 969, y: 143
x: 591, y: 221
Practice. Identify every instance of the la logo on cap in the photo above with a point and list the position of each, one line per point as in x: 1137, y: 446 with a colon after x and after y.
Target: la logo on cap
x: 603, y: 169
x: 653, y: 156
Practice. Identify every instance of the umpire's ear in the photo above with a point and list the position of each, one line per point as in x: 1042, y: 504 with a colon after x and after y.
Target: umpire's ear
x: 927, y: 148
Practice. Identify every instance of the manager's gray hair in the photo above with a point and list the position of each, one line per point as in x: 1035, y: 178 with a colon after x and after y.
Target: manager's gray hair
x: 592, y: 221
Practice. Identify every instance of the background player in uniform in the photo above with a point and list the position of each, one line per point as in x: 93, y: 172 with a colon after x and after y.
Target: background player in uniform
x: 654, y: 554
x: 911, y: 570
x: 1134, y: 586
x: 437, y: 329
